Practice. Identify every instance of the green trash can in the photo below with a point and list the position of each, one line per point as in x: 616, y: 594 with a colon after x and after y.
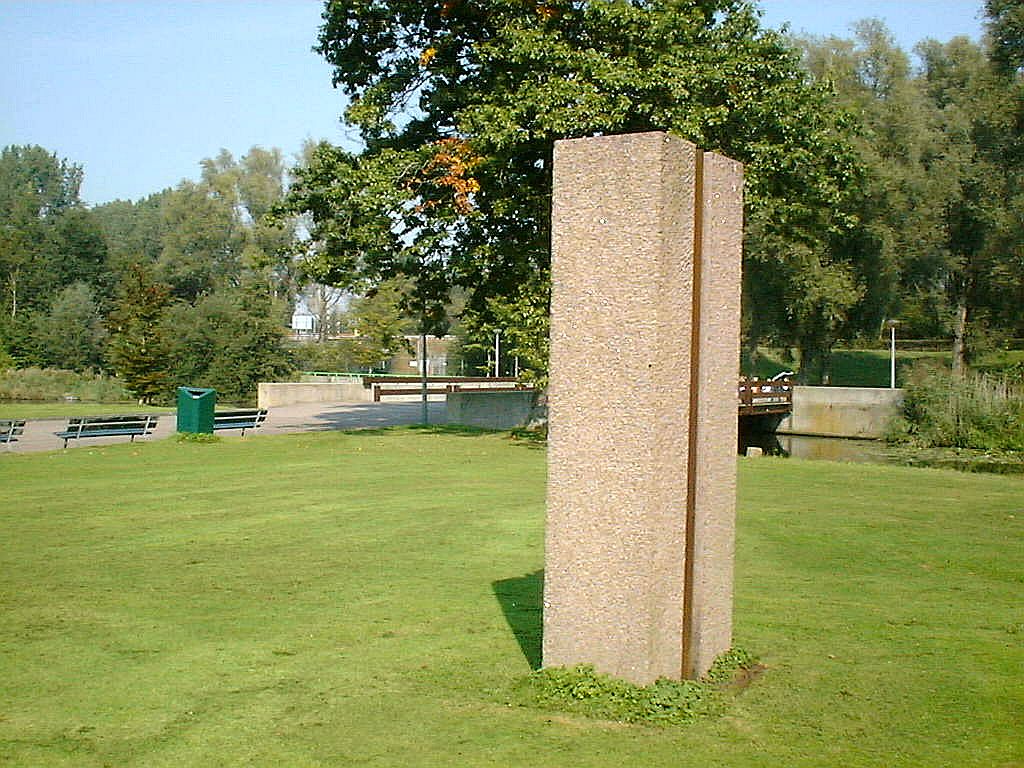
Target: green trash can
x: 195, y: 409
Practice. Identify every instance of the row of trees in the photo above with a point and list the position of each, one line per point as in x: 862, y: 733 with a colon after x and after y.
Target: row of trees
x: 874, y: 189
x: 942, y: 206
x: 190, y: 285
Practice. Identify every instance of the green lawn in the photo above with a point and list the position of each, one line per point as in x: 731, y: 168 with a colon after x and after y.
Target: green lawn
x: 59, y: 410
x: 870, y: 367
x: 349, y: 599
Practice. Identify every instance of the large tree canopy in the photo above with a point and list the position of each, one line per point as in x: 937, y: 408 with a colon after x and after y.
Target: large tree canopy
x: 459, y: 104
x: 1006, y: 30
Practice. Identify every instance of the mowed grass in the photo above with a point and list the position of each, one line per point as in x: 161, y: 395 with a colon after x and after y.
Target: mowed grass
x: 61, y: 410
x: 373, y: 598
x: 870, y: 367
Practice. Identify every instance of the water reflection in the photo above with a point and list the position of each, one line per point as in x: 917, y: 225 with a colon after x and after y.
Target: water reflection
x: 807, y: 447
x: 878, y: 452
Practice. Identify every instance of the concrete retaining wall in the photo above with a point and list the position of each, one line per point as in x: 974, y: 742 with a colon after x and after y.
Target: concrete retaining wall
x: 271, y: 395
x: 842, y: 411
x: 490, y: 410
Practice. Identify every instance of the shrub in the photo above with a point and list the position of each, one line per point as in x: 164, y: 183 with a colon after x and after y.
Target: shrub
x: 54, y: 384
x: 980, y: 411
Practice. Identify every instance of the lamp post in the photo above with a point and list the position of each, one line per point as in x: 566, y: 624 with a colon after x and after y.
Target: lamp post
x: 424, y: 410
x: 891, y: 325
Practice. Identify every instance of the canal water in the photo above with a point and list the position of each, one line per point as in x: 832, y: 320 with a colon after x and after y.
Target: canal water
x: 879, y: 452
x: 821, y: 448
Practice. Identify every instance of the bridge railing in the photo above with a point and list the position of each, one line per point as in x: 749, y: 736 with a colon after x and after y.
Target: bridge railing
x: 765, y: 395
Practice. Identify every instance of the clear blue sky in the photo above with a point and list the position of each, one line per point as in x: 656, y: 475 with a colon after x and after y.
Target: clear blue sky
x: 139, y: 92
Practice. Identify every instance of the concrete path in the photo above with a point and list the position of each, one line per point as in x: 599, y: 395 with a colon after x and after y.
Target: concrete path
x: 307, y: 417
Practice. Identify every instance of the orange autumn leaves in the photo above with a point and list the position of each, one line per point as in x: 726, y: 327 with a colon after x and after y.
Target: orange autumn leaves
x: 449, y: 170
x: 428, y: 56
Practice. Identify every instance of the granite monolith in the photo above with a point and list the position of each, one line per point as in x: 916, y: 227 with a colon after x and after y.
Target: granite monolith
x: 646, y: 252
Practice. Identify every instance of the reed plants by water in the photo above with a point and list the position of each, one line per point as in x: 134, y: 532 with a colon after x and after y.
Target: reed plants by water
x: 40, y: 384
x: 980, y: 411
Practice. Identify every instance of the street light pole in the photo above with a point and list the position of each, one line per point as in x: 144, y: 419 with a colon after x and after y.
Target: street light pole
x: 425, y: 413
x: 892, y: 352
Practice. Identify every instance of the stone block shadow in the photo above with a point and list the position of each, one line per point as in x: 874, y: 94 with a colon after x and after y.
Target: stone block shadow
x: 521, y: 600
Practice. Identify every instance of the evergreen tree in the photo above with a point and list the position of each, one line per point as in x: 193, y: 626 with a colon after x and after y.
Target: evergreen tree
x: 139, y: 348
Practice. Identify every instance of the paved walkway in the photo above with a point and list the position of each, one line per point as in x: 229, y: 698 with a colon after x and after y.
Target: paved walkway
x: 306, y: 417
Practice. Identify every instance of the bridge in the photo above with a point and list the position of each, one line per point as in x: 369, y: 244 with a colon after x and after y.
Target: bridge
x: 755, y: 397
x: 765, y: 397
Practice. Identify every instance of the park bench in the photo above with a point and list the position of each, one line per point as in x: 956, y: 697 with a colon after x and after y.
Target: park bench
x: 243, y: 419
x: 108, y: 426
x: 10, y: 430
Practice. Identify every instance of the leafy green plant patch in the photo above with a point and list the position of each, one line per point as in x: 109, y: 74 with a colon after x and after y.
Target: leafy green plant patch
x: 583, y: 691
x: 196, y: 437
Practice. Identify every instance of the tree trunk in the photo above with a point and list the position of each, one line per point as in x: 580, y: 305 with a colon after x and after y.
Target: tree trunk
x: 14, y: 294
x: 815, y: 360
x: 959, y: 339
x: 752, y: 354
x: 323, y: 314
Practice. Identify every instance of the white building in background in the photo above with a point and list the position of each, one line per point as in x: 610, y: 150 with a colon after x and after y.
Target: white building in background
x: 304, y: 322
x: 315, y: 305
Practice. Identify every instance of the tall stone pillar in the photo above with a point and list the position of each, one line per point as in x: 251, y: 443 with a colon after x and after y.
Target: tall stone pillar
x: 642, y: 401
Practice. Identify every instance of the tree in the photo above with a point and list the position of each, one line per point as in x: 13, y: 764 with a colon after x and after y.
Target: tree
x: 202, y: 241
x: 133, y: 231
x: 72, y: 334
x: 459, y: 105
x: 139, y: 348
x: 216, y: 233
x: 36, y: 184
x: 976, y: 119
x: 80, y: 250
x: 940, y: 212
x: 1006, y: 39
x: 900, y: 233
x: 379, y: 324
x: 228, y: 341
x: 48, y: 243
x: 326, y: 304
x: 1006, y: 33
x: 255, y: 185
x: 36, y: 189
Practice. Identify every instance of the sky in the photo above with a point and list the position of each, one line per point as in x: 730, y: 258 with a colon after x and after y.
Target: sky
x: 139, y: 92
